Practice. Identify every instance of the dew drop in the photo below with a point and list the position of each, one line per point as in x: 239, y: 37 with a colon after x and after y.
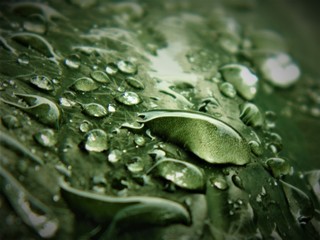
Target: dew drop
x: 270, y: 119
x: 256, y: 148
x: 46, y: 137
x: 251, y: 115
x: 219, y: 183
x: 85, y: 84
x: 85, y: 126
x: 129, y: 98
x: 66, y: 102
x: 228, y: 89
x: 23, y: 59
x: 139, y: 140
x: 245, y: 82
x: 114, y: 156
x: 127, y: 67
x: 278, y: 167
x: 237, y: 181
x: 42, y: 82
x: 10, y: 121
x: 94, y: 110
x: 96, y: 140
x: 111, y: 69
x: 100, y: 76
x: 73, y: 61
x: 111, y: 108
x: 135, y: 83
x: 136, y: 167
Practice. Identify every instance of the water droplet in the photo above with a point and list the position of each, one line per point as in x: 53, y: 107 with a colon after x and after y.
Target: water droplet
x: 278, y: 167
x: 237, y: 181
x: 181, y: 173
x: 85, y: 84
x: 136, y: 167
x: 23, y: 59
x: 114, y: 156
x: 35, y: 23
x: 139, y: 140
x: 209, y: 105
x: 135, y: 83
x: 85, y: 126
x: 256, y: 148
x: 10, y: 122
x: 46, y: 137
x: 280, y: 70
x: 96, y: 140
x: 300, y: 204
x: 210, y: 139
x: 42, y: 82
x: 242, y: 79
x: 100, y: 76
x: 251, y: 115
x: 228, y: 89
x: 111, y: 69
x: 129, y: 98
x: 94, y: 110
x: 270, y: 119
x: 66, y: 102
x: 219, y: 183
x: 127, y: 67
x: 73, y: 61
x: 111, y: 108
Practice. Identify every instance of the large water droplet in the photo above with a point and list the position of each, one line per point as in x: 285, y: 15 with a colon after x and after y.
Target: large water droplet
x: 242, y: 79
x: 10, y: 121
x: 135, y: 83
x: 129, y: 98
x: 251, y: 115
x: 210, y: 139
x: 94, y: 110
x: 85, y: 84
x: 46, y: 137
x: 182, y: 174
x: 96, y: 140
x: 280, y: 70
x: 73, y: 61
x: 228, y: 89
x: 100, y: 76
x: 278, y: 167
x: 127, y: 67
x: 300, y: 204
x: 42, y: 82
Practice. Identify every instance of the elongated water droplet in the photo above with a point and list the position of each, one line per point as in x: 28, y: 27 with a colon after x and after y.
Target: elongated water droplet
x: 242, y: 79
x: 210, y: 139
x: 182, y: 174
x: 129, y: 98
x: 85, y: 84
x: 127, y: 67
x: 100, y: 76
x: 46, y: 137
x: 251, y: 115
x: 278, y: 167
x: 96, y: 140
x: 228, y: 89
x: 42, y: 82
x: 94, y: 110
x: 73, y: 61
x: 135, y: 83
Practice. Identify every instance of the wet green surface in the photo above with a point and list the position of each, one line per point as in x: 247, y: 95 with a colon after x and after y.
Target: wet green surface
x: 170, y: 119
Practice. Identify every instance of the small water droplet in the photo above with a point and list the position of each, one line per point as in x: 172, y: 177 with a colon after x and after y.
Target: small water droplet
x: 280, y: 70
x: 114, y: 156
x: 139, y: 140
x: 237, y: 181
x: 111, y: 108
x: 94, y: 110
x: 85, y: 126
x: 42, y: 82
x: 46, y: 137
x: 228, y: 89
x: 278, y: 167
x: 66, y: 102
x: 135, y: 83
x: 10, y: 121
x: 96, y: 140
x: 256, y: 148
x: 111, y: 69
x: 129, y: 98
x: 242, y: 79
x: 100, y: 76
x: 35, y: 23
x: 127, y: 67
x: 270, y: 119
x: 85, y: 84
x: 219, y: 183
x: 136, y: 167
x: 251, y: 115
x: 23, y: 59
x: 73, y: 61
